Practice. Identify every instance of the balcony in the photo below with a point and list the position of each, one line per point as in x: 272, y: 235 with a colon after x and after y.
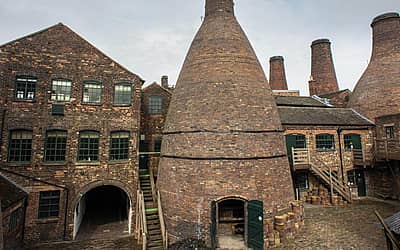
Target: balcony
x: 387, y: 150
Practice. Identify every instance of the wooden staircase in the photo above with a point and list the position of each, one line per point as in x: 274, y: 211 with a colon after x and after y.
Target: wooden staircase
x: 301, y: 157
x: 151, y: 223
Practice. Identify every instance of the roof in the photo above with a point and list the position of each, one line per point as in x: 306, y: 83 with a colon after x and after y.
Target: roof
x: 393, y: 223
x: 334, y: 94
x: 322, y: 116
x: 154, y: 84
x: 10, y: 193
x: 61, y: 25
x: 299, y: 101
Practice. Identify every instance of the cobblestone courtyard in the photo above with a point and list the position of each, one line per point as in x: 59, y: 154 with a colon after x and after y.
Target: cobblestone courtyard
x: 351, y: 227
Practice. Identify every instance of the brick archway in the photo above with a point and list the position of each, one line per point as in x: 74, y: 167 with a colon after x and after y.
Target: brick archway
x: 95, y: 208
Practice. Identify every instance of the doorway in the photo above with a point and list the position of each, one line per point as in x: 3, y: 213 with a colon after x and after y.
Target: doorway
x: 360, y: 180
x: 294, y: 141
x: 102, y: 212
x: 237, y: 224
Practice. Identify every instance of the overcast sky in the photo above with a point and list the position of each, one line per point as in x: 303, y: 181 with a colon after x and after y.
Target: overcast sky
x: 151, y: 37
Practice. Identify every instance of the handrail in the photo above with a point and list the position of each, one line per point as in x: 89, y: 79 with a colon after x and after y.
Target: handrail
x: 143, y: 220
x: 302, y: 156
x: 162, y: 222
x: 388, y: 233
x: 153, y: 186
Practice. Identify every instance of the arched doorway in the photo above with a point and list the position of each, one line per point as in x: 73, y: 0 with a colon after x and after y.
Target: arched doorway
x: 103, y: 211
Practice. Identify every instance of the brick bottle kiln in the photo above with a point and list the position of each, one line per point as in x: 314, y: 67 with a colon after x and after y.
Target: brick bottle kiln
x: 224, y: 163
x: 377, y: 93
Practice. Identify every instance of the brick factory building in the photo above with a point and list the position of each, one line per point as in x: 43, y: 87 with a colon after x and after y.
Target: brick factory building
x: 88, y: 152
x: 70, y: 123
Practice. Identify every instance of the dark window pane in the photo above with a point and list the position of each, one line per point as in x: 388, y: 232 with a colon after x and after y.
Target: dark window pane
x: 119, y: 146
x: 88, y: 146
x: 55, y: 147
x: 155, y: 105
x: 20, y: 146
x: 49, y: 204
x: 25, y: 88
x: 325, y: 142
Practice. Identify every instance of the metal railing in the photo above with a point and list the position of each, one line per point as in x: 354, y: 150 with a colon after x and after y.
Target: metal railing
x: 391, y: 240
x: 387, y: 149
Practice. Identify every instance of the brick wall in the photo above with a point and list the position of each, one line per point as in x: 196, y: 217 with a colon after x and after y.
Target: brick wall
x: 377, y: 93
x: 58, y: 52
x: 151, y: 125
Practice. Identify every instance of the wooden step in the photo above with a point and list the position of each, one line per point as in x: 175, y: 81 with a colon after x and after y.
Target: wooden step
x: 155, y: 237
x: 160, y: 247
x: 154, y: 233
x: 153, y: 226
x: 157, y: 243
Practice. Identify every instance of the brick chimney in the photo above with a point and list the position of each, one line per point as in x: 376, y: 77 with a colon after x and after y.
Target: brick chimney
x: 323, y: 76
x: 277, y: 75
x: 164, y: 82
x: 377, y: 93
x: 217, y: 6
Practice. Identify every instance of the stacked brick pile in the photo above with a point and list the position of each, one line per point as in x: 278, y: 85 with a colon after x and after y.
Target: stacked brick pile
x: 320, y: 195
x: 285, y: 226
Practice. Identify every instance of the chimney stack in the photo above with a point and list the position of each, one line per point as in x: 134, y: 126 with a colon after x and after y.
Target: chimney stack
x: 219, y: 6
x: 277, y: 75
x: 386, y: 33
x: 164, y: 82
x: 323, y: 75
x: 377, y: 93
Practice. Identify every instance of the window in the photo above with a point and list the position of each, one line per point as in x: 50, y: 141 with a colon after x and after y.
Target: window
x: 351, y: 178
x: 352, y: 141
x: 88, y: 146
x: 119, y: 146
x: 20, y: 146
x: 49, y: 204
x: 25, y: 88
x: 301, y: 180
x: 122, y: 94
x: 155, y: 105
x: 325, y: 142
x: 61, y: 90
x: 56, y: 143
x: 92, y: 92
x: 14, y: 218
x: 157, y: 145
x: 389, y: 132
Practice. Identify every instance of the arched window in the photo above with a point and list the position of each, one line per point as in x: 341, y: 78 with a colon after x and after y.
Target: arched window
x: 352, y: 141
x: 88, y: 146
x: 122, y: 94
x: 119, y: 145
x: 20, y: 146
x: 56, y: 144
x: 325, y: 142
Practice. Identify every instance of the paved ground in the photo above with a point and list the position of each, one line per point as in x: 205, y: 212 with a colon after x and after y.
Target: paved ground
x: 351, y: 227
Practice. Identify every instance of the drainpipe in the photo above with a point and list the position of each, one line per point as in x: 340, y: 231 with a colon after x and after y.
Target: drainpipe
x: 3, y: 118
x: 66, y: 213
x: 339, y: 130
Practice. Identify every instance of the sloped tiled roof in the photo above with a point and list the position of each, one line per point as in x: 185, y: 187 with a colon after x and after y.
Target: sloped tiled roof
x: 299, y: 101
x: 393, y: 223
x: 321, y: 116
x: 333, y: 94
x: 9, y: 193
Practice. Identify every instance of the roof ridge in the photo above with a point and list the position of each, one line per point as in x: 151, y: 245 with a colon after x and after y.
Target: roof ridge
x: 363, y: 117
x: 33, y: 34
x: 81, y: 37
x: 158, y: 85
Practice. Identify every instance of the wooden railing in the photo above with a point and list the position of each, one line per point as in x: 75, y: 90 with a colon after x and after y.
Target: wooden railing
x: 387, y: 149
x: 141, y: 224
x: 301, y: 157
x: 162, y: 222
x: 364, y: 158
x: 153, y: 186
